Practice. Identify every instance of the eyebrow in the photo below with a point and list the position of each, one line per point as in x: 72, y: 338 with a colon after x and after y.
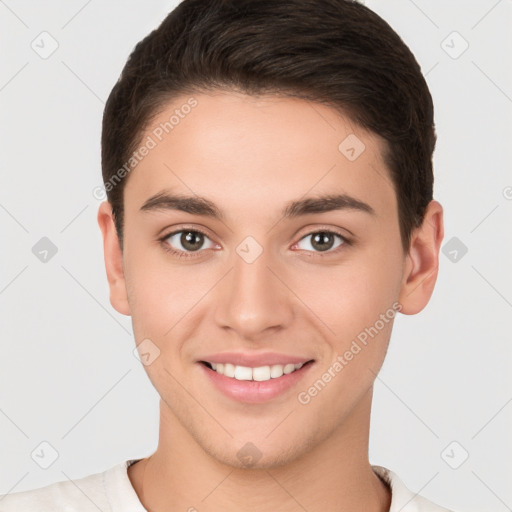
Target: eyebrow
x: 197, y: 205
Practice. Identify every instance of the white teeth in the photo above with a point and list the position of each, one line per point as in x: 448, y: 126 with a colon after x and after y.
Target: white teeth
x: 276, y: 371
x: 229, y: 370
x: 243, y: 373
x: 260, y: 374
x: 289, y: 368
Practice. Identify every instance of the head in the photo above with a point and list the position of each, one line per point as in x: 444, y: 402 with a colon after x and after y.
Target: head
x: 290, y: 124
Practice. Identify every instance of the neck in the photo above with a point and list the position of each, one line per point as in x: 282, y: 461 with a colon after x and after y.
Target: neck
x: 335, y: 474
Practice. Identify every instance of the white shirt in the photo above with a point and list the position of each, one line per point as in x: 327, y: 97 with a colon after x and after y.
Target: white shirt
x: 112, y: 491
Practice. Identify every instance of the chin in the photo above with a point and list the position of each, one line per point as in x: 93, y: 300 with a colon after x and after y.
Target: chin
x: 254, y: 457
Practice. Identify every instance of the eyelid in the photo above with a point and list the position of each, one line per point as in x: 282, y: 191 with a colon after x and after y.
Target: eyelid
x: 321, y: 228
x: 179, y: 229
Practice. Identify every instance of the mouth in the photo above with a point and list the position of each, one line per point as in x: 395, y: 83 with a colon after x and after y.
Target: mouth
x: 258, y: 374
x: 254, y: 385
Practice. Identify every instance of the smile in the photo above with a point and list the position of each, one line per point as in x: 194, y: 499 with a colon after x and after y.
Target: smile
x: 260, y: 374
x: 254, y: 385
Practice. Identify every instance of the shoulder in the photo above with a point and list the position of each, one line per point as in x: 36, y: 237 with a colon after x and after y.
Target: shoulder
x: 84, y: 494
x: 402, y: 499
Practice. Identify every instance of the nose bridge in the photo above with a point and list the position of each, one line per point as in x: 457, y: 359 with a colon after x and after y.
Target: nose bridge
x: 253, y: 299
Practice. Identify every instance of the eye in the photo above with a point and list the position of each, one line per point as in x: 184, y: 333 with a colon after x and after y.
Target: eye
x: 323, y: 241
x: 186, y: 240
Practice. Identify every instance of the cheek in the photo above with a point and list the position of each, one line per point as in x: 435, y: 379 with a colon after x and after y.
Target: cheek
x: 349, y: 296
x: 151, y: 291
x: 359, y: 306
x: 165, y: 296
x: 357, y: 303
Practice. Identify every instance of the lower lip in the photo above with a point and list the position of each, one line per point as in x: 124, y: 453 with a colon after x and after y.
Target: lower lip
x: 255, y: 392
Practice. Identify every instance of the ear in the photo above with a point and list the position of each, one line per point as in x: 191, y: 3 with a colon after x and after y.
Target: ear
x: 422, y: 261
x: 113, y: 259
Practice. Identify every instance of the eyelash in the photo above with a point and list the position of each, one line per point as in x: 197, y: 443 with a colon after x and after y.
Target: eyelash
x: 192, y: 254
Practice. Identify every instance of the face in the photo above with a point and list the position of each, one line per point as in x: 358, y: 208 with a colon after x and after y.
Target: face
x: 316, y: 282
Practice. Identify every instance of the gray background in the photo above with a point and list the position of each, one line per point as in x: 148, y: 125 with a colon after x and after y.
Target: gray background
x: 68, y: 376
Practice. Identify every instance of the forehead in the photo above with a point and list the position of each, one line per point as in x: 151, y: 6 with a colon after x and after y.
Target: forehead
x: 239, y: 150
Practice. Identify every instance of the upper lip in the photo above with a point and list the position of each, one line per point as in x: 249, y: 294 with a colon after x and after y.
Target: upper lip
x: 254, y: 360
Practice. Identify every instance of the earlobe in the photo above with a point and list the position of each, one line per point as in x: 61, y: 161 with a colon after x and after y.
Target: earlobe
x: 422, y: 261
x: 113, y: 257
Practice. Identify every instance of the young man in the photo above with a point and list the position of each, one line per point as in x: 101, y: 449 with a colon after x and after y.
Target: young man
x: 268, y: 166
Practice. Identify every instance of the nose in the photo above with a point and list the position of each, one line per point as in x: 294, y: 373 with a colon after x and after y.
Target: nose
x: 253, y: 299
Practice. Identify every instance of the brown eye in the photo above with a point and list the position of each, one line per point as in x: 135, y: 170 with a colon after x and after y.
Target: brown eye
x: 191, y: 240
x: 186, y: 240
x: 322, y: 241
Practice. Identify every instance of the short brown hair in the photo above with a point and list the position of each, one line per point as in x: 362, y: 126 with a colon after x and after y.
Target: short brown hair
x: 335, y: 52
